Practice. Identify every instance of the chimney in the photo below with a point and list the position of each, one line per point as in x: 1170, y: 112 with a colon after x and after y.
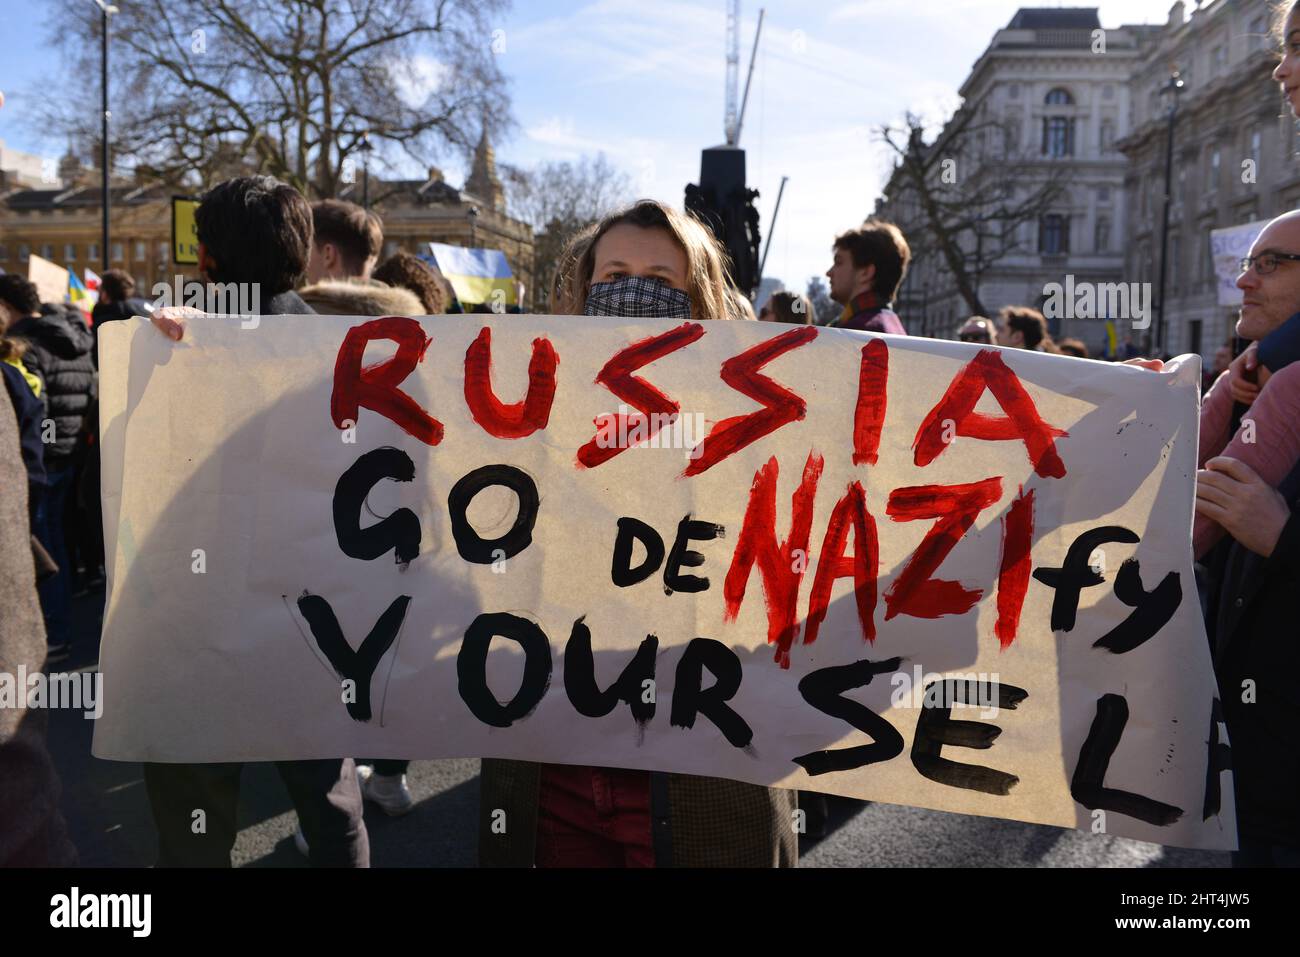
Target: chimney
x: 1177, y: 14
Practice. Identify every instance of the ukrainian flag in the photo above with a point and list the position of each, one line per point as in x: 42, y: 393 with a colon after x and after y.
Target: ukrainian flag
x: 475, y: 274
x: 78, y: 295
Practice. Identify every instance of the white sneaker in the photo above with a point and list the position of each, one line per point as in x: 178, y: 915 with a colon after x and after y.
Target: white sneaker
x: 300, y: 841
x: 389, y: 791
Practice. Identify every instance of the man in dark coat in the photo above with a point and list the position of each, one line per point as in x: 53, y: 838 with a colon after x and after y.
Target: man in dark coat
x: 58, y: 352
x: 254, y: 230
x: 1252, y: 617
x: 117, y: 301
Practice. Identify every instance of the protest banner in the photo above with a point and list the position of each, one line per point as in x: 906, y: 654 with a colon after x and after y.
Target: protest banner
x: 909, y: 570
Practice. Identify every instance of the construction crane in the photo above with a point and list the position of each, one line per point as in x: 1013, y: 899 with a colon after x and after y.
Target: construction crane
x: 722, y: 200
x: 731, y: 124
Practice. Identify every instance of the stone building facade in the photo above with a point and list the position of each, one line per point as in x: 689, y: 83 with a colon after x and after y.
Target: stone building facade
x: 1053, y: 87
x: 62, y: 223
x: 1236, y: 156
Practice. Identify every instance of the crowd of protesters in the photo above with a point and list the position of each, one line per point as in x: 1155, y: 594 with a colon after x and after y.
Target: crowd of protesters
x: 648, y: 261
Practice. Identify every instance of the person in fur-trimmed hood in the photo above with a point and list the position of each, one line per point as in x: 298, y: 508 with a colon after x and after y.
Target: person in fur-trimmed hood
x: 360, y: 297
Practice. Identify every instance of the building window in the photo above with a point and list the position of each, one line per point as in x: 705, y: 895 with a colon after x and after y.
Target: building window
x: 1108, y: 91
x: 164, y: 251
x: 139, y: 252
x: 1215, y: 165
x: 4, y: 251
x: 1054, y: 235
x: 1259, y: 38
x: 1059, y: 97
x: 1058, y: 136
x: 390, y: 247
x: 1103, y: 194
x: 1012, y: 135
x: 92, y: 252
x: 116, y: 250
x: 47, y: 251
x: 24, y: 252
x: 1107, y: 135
x: 69, y: 252
x: 1102, y: 243
x: 1256, y: 148
x: 1014, y: 91
x: 1218, y: 59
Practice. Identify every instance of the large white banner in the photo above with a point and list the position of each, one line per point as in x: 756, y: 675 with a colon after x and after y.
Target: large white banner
x: 909, y: 570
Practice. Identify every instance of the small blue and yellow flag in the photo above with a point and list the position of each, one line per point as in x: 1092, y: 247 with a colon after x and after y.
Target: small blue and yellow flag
x: 1112, y: 345
x: 475, y: 274
x: 78, y: 296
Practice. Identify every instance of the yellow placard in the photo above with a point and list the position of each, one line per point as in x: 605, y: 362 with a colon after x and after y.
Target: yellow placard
x: 185, y: 233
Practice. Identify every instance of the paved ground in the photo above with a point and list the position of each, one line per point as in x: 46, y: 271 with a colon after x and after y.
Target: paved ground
x: 107, y: 809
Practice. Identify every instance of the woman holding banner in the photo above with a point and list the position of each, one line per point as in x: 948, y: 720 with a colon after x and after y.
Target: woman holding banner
x: 646, y: 261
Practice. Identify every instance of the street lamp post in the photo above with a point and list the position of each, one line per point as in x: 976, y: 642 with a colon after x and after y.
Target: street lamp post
x: 106, y: 10
x: 1169, y: 93
x: 472, y: 215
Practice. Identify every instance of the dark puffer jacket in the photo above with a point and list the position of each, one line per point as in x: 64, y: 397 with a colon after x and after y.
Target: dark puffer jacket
x: 60, y: 346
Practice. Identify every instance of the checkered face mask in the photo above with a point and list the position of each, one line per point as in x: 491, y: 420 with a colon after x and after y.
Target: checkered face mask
x: 635, y: 297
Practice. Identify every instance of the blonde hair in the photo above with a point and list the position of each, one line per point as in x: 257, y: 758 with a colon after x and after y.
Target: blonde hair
x: 706, y: 274
x: 741, y: 307
x: 566, y: 297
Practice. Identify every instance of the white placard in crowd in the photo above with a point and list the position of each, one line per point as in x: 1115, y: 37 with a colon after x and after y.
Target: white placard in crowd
x: 1229, y: 247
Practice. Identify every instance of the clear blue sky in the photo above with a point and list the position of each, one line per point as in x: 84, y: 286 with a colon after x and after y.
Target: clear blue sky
x: 643, y: 83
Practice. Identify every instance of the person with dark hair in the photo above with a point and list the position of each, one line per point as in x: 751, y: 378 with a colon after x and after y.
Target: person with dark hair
x: 976, y: 329
x: 413, y: 274
x: 256, y: 230
x: 870, y: 263
x: 1020, y: 327
x: 259, y: 213
x: 1073, y: 347
x: 788, y: 307
x: 117, y: 300
x: 58, y: 352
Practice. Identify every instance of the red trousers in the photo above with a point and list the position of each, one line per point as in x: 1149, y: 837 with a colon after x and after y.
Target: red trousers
x: 594, y: 817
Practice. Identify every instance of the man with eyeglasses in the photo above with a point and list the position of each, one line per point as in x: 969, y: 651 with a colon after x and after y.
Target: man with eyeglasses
x: 1253, y: 592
